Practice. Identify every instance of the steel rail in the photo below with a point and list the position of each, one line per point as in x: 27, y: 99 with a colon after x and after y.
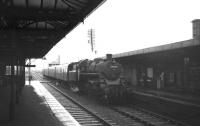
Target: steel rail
x: 160, y: 116
x: 148, y: 115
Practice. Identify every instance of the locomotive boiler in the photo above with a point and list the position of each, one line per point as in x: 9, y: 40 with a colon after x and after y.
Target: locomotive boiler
x: 102, y: 77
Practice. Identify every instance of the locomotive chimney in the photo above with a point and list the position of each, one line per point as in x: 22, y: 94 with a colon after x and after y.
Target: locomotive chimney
x: 196, y: 29
x: 109, y: 57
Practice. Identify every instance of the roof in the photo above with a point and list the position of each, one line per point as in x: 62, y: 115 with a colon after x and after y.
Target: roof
x: 167, y: 47
x: 36, y: 26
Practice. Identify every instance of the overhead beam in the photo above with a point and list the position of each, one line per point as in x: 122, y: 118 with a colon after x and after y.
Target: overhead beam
x: 72, y: 4
x: 36, y: 14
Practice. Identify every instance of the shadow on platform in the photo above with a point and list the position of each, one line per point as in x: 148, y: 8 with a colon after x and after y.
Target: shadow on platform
x: 31, y: 110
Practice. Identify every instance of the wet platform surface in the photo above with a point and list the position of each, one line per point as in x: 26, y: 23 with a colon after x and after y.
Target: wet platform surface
x: 37, y: 107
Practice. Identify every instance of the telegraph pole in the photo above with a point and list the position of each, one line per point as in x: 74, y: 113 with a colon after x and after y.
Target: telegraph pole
x: 91, y: 41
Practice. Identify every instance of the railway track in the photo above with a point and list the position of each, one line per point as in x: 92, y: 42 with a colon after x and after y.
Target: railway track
x: 146, y: 117
x: 134, y: 115
x: 83, y: 115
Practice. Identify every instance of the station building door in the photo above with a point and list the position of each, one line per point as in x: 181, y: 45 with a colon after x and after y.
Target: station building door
x: 134, y: 77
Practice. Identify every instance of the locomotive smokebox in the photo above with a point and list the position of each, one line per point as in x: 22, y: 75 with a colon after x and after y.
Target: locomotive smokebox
x: 109, y: 57
x: 196, y: 29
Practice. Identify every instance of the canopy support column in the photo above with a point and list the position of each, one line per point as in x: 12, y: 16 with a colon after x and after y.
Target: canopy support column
x: 12, y: 92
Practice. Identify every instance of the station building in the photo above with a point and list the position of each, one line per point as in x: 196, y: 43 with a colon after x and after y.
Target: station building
x: 172, y: 67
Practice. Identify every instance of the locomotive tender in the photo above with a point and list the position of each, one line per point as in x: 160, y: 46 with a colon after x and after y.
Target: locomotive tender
x: 100, y: 77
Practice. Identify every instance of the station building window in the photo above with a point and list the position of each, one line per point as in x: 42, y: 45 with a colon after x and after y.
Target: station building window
x: 150, y: 72
x: 8, y: 70
x: 17, y: 70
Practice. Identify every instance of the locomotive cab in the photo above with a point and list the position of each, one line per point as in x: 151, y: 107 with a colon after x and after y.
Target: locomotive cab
x: 73, y: 76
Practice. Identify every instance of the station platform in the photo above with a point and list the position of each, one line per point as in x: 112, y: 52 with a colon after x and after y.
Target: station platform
x: 37, y: 107
x: 176, y: 97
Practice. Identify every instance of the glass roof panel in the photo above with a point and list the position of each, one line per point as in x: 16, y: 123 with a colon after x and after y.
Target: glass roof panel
x: 48, y: 3
x: 61, y: 5
x: 33, y: 3
x: 19, y: 3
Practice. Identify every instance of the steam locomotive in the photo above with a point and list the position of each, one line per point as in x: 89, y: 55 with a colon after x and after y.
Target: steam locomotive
x: 100, y: 77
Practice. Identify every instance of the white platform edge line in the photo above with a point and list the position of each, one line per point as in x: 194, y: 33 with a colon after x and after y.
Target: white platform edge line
x: 43, y: 92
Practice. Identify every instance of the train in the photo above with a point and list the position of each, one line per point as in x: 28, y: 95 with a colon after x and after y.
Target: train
x: 100, y: 77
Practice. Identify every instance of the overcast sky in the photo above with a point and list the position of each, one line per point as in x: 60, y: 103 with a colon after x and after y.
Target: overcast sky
x: 127, y: 25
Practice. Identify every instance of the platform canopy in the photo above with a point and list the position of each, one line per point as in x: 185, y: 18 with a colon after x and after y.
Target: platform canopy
x: 35, y: 26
